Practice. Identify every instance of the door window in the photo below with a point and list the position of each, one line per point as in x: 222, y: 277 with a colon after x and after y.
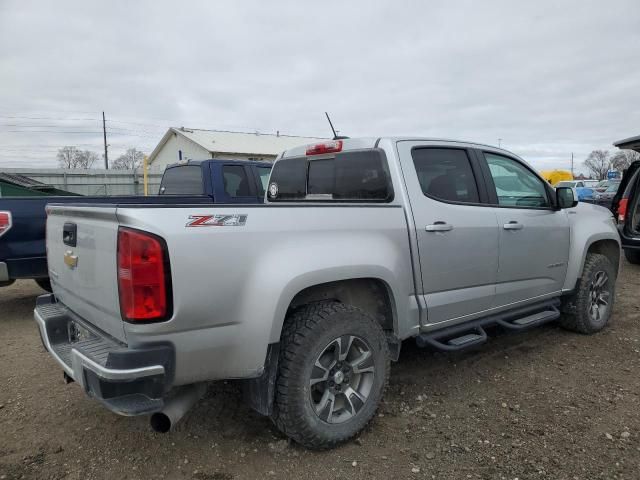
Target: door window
x: 235, y: 179
x: 445, y: 174
x: 516, y: 185
x: 263, y: 179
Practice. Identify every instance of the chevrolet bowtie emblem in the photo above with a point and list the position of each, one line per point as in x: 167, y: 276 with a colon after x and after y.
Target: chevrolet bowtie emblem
x: 70, y: 259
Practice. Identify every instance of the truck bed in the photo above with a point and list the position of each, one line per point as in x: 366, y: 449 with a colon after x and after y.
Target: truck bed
x: 22, y: 248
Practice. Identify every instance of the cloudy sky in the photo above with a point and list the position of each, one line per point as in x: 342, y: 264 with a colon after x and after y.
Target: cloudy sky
x: 548, y: 78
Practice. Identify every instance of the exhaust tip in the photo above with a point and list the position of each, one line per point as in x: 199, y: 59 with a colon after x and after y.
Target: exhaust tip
x: 160, y: 422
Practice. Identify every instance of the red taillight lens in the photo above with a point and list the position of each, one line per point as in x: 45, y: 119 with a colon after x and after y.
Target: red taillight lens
x: 326, y: 147
x: 622, y: 210
x: 143, y: 276
x: 5, y: 222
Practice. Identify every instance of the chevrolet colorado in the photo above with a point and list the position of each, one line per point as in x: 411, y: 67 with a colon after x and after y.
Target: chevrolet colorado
x: 362, y: 243
x: 22, y: 220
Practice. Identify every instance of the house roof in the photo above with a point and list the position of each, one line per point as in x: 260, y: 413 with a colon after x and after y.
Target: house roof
x: 235, y: 142
x: 21, y: 180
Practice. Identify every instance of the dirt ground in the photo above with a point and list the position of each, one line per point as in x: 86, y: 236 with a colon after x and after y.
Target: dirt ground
x: 546, y: 404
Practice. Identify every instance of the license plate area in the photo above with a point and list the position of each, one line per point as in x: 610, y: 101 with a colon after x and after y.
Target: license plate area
x: 78, y: 333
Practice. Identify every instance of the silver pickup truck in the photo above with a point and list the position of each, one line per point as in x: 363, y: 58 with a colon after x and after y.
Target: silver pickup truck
x: 362, y: 243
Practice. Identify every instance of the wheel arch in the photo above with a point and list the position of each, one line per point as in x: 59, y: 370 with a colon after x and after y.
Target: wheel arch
x: 372, y: 294
x: 605, y: 244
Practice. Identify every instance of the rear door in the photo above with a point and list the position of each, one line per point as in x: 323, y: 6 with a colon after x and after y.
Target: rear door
x: 456, y: 230
x: 238, y: 183
x: 534, y: 237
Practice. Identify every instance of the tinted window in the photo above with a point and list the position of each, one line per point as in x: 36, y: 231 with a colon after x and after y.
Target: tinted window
x: 235, y: 181
x: 290, y: 175
x: 263, y: 175
x: 362, y: 175
x: 182, y: 180
x: 445, y: 174
x: 350, y: 176
x: 321, y: 177
x: 516, y: 185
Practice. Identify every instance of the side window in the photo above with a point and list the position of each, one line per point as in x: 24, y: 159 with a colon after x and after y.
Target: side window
x: 516, y: 185
x: 263, y: 179
x: 235, y: 180
x: 445, y: 174
x: 580, y: 185
x: 182, y: 180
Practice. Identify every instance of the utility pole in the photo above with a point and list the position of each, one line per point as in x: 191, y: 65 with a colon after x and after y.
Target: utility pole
x: 104, y: 133
x: 572, y: 164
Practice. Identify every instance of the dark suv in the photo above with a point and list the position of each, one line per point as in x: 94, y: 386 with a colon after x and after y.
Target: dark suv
x: 626, y: 204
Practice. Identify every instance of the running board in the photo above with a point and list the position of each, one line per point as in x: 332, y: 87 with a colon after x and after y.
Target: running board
x: 531, y: 321
x: 471, y: 334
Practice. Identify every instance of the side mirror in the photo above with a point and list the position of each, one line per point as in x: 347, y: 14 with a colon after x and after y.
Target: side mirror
x: 565, y: 198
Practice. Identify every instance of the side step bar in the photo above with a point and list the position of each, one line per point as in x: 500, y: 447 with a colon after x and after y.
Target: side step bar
x: 470, y: 334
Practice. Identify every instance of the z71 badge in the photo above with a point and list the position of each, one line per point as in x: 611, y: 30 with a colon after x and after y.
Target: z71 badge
x: 231, y: 220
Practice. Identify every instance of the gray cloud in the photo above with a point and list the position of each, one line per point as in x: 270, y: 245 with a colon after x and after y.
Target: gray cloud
x: 548, y: 78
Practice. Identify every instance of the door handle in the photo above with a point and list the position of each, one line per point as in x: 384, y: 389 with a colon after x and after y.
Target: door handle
x: 513, y: 225
x: 438, y: 227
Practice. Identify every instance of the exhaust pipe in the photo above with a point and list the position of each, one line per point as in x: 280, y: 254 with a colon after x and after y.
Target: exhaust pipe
x: 176, y: 406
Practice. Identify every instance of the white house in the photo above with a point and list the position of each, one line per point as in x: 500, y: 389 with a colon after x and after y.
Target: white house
x: 180, y: 144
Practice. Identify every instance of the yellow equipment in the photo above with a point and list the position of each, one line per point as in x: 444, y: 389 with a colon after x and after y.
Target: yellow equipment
x: 555, y: 176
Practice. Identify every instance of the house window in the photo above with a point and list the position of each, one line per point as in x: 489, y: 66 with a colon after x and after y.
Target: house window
x: 180, y: 155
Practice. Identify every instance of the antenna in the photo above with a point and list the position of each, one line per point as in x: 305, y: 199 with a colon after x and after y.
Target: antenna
x: 335, y: 135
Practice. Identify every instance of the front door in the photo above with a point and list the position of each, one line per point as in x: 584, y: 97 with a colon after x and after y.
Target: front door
x: 534, y: 237
x: 456, y: 232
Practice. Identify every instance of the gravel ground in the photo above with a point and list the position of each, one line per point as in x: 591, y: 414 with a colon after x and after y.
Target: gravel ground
x: 546, y: 404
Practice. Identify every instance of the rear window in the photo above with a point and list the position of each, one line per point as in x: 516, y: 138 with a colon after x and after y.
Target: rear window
x: 360, y: 175
x: 182, y: 180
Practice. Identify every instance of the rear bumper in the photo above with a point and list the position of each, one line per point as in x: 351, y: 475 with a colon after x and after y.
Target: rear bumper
x: 16, y: 268
x: 628, y: 242
x: 127, y: 381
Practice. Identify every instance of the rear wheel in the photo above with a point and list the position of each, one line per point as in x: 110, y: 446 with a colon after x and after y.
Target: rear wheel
x: 589, y: 309
x: 44, y: 283
x: 633, y: 256
x: 334, y: 366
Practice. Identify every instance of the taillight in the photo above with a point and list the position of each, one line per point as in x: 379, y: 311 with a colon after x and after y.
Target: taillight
x: 144, y: 278
x: 5, y: 222
x: 622, y: 210
x: 333, y: 146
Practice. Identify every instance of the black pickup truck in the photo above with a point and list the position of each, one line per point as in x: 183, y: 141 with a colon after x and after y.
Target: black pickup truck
x: 626, y: 204
x: 23, y: 219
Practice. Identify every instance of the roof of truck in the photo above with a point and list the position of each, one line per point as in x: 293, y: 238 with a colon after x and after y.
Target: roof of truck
x: 371, y: 142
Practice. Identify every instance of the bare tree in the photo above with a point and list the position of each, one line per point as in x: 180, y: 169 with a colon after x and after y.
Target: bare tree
x: 71, y: 157
x: 599, y: 163
x: 130, y: 160
x: 622, y: 159
x: 67, y: 157
x: 85, y: 159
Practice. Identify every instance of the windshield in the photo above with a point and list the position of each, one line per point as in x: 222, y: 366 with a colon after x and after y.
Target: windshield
x: 566, y: 184
x: 613, y: 188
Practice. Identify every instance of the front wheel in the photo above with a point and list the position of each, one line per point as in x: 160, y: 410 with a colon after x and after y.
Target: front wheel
x: 589, y: 309
x: 334, y: 366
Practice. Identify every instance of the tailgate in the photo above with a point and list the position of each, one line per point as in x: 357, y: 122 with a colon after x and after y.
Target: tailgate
x: 83, y: 269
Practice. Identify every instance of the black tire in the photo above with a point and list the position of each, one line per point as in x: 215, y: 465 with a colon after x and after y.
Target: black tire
x: 44, y: 283
x: 578, y: 309
x: 307, y: 334
x: 633, y: 256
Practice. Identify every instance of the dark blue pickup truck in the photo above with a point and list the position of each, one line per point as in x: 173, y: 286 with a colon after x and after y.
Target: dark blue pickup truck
x: 23, y: 219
